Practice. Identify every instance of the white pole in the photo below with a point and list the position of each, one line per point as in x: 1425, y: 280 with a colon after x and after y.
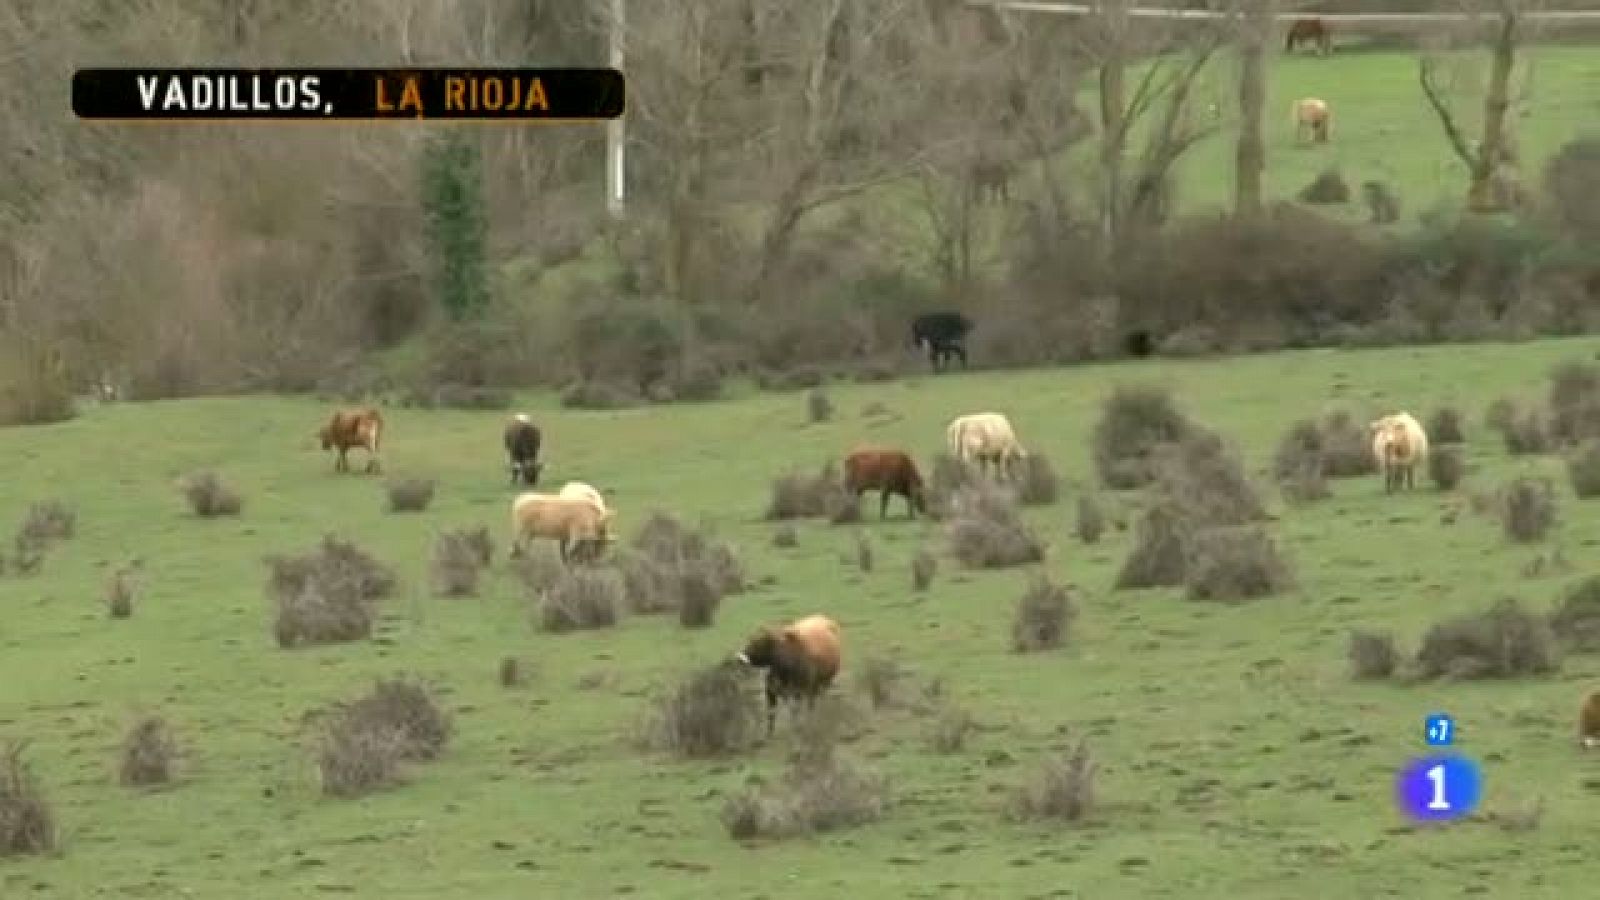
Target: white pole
x: 616, y: 169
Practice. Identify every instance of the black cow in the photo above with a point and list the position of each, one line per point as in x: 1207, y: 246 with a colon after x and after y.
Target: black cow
x: 945, y: 336
x: 522, y: 445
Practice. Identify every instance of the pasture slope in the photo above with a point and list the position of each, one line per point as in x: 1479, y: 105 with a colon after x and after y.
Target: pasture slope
x: 1239, y: 760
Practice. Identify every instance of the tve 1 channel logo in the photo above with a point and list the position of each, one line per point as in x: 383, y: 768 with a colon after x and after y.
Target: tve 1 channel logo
x: 1443, y: 787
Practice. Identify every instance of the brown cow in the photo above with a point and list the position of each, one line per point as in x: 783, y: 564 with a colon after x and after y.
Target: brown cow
x: 352, y: 428
x: 1312, y: 31
x: 888, y: 471
x: 801, y: 659
x: 1589, y: 722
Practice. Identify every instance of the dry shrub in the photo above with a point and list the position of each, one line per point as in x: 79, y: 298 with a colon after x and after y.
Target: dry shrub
x: 1372, y: 655
x: 1091, y: 520
x: 1207, y: 480
x: 882, y: 679
x: 1042, y: 618
x: 1445, y: 426
x: 698, y: 600
x: 409, y: 494
x: 511, y: 672
x: 327, y: 596
x: 797, y: 496
x: 817, y: 793
x: 785, y: 536
x: 923, y: 567
x: 1346, y: 451
x: 1518, y: 818
x: 863, y: 553
x: 582, y: 599
x: 1235, y: 564
x: 1527, y: 509
x: 538, y: 568
x: 27, y: 820
x: 986, y: 531
x: 208, y: 496
x: 458, y: 559
x: 148, y: 753
x: 1527, y: 431
x: 1298, y: 465
x: 949, y: 476
x: 1505, y: 641
x: 49, y: 521
x: 673, y: 567
x: 846, y: 512
x: 1576, y: 620
x: 1134, y: 421
x: 600, y: 395
x: 1061, y: 790
x: 1328, y: 187
x: 119, y: 594
x: 950, y: 730
x: 709, y: 714
x: 1571, y: 177
x: 1446, y: 468
x: 1037, y: 484
x: 1583, y: 469
x: 819, y: 408
x: 1158, y: 555
x: 1498, y: 414
x: 1574, y: 402
x: 364, y: 742
x: 32, y: 391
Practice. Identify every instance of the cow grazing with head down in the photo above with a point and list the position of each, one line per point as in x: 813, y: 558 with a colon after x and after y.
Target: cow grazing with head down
x: 1311, y: 31
x: 350, y: 429
x: 986, y: 440
x: 888, y: 471
x: 944, y: 334
x: 801, y: 660
x: 1314, y: 118
x: 580, y: 529
x: 578, y: 490
x: 522, y: 446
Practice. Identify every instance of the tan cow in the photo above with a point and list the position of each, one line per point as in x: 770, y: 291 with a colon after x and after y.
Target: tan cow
x: 1312, y: 116
x: 580, y: 529
x: 1399, y: 445
x: 984, y: 439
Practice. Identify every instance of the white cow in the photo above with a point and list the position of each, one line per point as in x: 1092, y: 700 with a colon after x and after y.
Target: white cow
x: 985, y: 439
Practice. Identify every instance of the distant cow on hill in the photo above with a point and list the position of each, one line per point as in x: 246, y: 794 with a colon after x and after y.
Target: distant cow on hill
x: 350, y: 429
x: 1311, y: 31
x: 888, y: 471
x: 522, y: 446
x: 944, y: 334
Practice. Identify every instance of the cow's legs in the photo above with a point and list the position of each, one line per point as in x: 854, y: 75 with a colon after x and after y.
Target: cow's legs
x: 772, y: 705
x: 341, y: 464
x: 883, y: 504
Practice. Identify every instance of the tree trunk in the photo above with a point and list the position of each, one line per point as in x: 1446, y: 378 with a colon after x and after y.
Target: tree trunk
x: 1481, y: 194
x: 1250, y: 156
x: 1113, y: 112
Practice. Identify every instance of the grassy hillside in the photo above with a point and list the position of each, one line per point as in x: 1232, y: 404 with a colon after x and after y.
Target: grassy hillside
x: 1236, y: 752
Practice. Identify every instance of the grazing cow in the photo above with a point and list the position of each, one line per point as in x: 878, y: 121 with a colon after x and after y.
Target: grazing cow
x: 580, y: 529
x: 1589, y: 722
x: 801, y: 659
x: 352, y: 428
x: 983, y: 439
x: 888, y: 471
x: 1312, y: 116
x: 1312, y: 31
x: 1399, y: 444
x: 944, y: 334
x: 522, y: 445
x: 578, y: 490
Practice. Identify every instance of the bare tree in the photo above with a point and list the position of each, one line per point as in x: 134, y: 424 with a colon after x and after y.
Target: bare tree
x: 1250, y: 154
x: 1485, y: 157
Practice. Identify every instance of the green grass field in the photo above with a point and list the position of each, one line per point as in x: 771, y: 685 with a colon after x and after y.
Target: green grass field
x: 1238, y: 757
